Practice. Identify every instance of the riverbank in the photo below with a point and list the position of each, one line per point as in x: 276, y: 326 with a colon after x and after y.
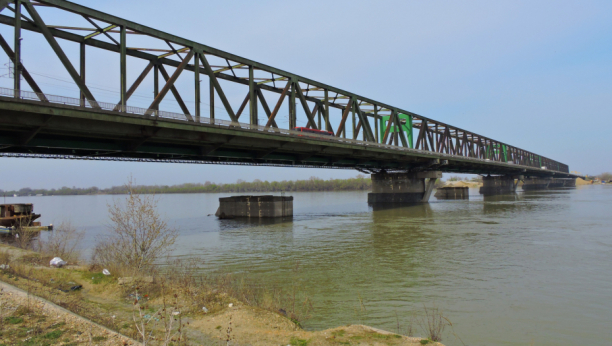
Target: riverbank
x: 359, y: 183
x: 163, y: 308
x: 462, y: 183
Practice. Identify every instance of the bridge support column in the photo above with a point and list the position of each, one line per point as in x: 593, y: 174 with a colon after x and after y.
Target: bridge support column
x: 498, y: 185
x: 412, y: 187
x: 562, y: 182
x: 536, y: 183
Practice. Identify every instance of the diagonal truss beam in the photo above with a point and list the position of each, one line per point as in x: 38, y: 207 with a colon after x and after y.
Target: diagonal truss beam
x: 387, y: 130
x: 4, y: 3
x: 134, y: 86
x: 215, y: 82
x: 365, y: 123
x: 315, y: 109
x: 347, y: 110
x: 175, y: 93
x: 60, y: 54
x: 243, y: 105
x: 278, y: 105
x: 24, y: 72
x: 310, y: 116
x: 264, y: 104
x: 100, y: 30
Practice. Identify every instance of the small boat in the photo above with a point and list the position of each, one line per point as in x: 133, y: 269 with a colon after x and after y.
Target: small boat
x: 20, y: 215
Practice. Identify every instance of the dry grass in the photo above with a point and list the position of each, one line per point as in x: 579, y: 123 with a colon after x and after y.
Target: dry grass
x: 63, y: 242
x: 215, y: 291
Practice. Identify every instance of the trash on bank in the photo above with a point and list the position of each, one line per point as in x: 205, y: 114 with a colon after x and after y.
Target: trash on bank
x: 105, y: 272
x: 4, y: 266
x: 57, y: 262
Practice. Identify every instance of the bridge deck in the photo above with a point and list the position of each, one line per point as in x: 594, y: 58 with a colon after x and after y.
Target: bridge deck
x: 30, y: 128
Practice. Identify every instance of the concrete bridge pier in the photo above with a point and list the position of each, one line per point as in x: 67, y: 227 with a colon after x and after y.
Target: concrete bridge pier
x: 411, y: 187
x: 537, y: 183
x: 569, y: 182
x: 540, y: 183
x: 499, y: 184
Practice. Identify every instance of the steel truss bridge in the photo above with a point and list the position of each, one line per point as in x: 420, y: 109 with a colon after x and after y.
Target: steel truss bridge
x: 34, y: 123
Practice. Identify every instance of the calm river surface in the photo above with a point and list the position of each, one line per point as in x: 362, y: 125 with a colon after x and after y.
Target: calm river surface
x: 515, y: 270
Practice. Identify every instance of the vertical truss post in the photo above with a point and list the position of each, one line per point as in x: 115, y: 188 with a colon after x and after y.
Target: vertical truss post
x: 17, y: 64
x: 376, y: 123
x: 252, y: 97
x: 123, y: 63
x: 211, y: 87
x: 82, y: 71
x: 292, y: 110
x: 156, y: 83
x: 352, y: 101
x: 319, y: 117
x: 196, y: 73
x: 326, y: 114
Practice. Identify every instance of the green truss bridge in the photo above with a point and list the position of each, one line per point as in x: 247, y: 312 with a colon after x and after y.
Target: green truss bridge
x: 271, y: 123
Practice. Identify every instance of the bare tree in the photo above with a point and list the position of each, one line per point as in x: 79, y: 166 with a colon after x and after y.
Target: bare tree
x: 63, y: 242
x: 138, y: 236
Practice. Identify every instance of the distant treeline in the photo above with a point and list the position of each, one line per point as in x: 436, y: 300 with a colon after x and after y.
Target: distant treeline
x: 359, y: 183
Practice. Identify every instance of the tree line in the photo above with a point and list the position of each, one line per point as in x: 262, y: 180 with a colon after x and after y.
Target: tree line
x: 359, y: 183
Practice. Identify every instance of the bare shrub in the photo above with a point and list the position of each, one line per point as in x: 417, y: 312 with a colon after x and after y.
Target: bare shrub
x: 64, y: 242
x: 22, y: 236
x: 138, y: 236
x: 433, y: 322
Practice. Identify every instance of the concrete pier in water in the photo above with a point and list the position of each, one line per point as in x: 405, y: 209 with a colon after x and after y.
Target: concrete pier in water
x: 453, y: 192
x: 266, y: 206
x: 498, y: 184
x: 411, y: 187
x: 537, y: 183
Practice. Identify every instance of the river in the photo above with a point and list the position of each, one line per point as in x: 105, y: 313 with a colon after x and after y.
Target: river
x: 531, y: 268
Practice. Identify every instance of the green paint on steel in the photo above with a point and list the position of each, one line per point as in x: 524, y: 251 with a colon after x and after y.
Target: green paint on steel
x: 405, y: 126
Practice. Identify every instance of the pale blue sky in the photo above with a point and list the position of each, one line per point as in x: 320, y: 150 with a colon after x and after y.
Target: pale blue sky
x: 537, y: 75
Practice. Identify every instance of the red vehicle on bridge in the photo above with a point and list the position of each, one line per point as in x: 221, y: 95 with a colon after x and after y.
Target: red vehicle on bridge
x: 308, y: 130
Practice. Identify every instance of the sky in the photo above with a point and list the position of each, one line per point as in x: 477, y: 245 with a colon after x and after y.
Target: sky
x: 537, y: 75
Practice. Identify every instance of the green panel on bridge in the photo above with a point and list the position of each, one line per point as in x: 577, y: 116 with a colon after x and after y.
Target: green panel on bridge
x: 504, y: 151
x: 405, y: 125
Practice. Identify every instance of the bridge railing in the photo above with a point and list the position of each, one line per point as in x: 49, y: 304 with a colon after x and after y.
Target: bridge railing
x: 204, y: 121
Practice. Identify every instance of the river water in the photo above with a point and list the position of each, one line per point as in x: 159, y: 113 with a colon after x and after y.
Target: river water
x: 531, y: 268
